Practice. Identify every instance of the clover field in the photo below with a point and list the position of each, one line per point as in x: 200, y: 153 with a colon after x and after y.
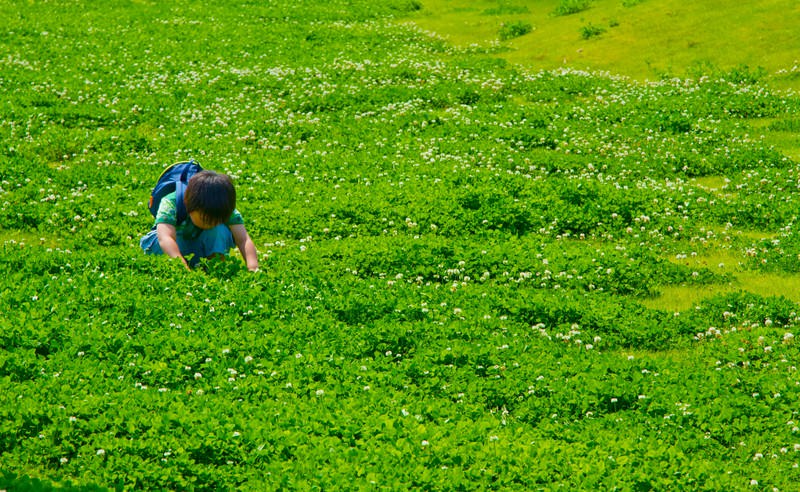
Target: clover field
x: 474, y: 275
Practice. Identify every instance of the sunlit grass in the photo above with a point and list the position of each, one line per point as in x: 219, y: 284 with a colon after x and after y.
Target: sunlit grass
x: 712, y: 183
x: 648, y: 40
x: 683, y: 297
x: 730, y: 261
x: 782, y: 133
x: 28, y: 238
x: 787, y: 141
x: 453, y: 251
x: 651, y: 40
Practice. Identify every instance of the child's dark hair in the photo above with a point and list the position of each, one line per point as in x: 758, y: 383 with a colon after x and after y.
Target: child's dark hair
x: 212, y: 195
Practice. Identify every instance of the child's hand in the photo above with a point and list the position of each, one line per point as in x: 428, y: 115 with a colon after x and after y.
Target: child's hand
x: 184, y: 262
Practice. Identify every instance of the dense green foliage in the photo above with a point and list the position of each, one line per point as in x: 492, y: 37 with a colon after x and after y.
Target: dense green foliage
x: 515, y: 29
x: 569, y: 7
x: 455, y: 254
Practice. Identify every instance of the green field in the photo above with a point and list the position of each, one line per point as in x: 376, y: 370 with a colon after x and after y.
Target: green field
x: 483, y: 267
x: 643, y: 39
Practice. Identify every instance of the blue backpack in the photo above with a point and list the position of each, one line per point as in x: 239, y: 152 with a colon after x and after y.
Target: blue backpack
x: 174, y: 178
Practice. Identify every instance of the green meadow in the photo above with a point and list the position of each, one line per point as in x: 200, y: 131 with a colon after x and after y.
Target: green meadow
x: 646, y: 41
x: 643, y: 39
x: 504, y: 245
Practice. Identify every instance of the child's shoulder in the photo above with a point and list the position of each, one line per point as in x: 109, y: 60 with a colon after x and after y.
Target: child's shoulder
x: 167, y: 209
x: 169, y: 197
x: 235, y: 219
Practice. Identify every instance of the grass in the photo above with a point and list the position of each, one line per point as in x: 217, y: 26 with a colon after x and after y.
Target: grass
x: 783, y: 133
x: 469, y: 270
x: 680, y: 298
x: 648, y: 40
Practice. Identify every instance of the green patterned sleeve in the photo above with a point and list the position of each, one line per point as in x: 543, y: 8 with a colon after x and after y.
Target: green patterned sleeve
x: 236, y: 218
x: 167, y: 211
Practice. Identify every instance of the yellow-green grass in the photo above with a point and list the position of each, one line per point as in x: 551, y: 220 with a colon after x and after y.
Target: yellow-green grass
x: 14, y: 236
x: 720, y: 257
x: 682, y: 297
x: 782, y: 133
x: 648, y: 40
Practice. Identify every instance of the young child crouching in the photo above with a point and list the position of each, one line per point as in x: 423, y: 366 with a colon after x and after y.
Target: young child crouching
x: 212, y: 228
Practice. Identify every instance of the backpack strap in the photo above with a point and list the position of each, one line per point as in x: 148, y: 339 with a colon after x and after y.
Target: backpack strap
x: 180, y: 189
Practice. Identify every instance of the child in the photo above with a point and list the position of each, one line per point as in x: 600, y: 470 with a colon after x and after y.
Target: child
x: 211, y: 229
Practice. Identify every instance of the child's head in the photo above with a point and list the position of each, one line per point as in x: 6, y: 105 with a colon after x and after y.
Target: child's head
x: 209, y: 197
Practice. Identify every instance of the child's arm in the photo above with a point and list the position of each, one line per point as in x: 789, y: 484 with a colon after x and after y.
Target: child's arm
x: 245, y: 245
x: 167, y: 239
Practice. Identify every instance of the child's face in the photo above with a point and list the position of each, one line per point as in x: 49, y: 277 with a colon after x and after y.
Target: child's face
x: 200, y: 221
